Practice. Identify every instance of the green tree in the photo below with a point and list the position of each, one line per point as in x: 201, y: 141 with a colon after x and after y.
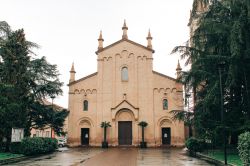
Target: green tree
x: 244, y: 148
x: 186, y: 117
x: 25, y: 81
x: 222, y: 35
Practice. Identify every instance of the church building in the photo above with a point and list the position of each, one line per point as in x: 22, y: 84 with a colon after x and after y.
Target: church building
x: 124, y: 91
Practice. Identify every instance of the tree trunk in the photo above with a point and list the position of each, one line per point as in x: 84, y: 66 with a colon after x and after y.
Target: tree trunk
x: 190, y: 131
x: 142, y: 134
x: 7, y: 147
x: 105, y: 130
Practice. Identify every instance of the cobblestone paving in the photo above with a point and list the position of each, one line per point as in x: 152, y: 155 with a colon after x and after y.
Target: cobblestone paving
x: 115, y: 157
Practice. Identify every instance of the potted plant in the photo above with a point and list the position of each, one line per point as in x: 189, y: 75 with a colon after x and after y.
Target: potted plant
x: 143, y: 124
x: 105, y: 125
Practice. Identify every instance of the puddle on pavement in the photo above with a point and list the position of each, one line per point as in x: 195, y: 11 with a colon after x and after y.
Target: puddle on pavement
x: 149, y: 157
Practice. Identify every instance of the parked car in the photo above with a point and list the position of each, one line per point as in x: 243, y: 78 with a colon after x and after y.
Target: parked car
x: 61, y: 142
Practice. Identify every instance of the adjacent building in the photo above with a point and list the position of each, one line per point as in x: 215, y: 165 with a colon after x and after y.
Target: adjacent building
x: 47, y: 131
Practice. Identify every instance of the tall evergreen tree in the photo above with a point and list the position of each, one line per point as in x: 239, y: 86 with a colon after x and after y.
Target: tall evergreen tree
x: 25, y: 81
x: 222, y: 35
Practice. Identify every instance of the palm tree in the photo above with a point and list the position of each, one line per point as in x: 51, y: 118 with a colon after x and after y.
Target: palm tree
x: 105, y: 125
x: 143, y: 124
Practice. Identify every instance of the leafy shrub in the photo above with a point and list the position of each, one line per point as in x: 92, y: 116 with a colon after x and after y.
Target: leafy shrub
x: 2, y: 146
x: 244, y: 148
x: 51, y: 144
x: 38, y: 145
x: 194, y: 145
x: 16, y: 147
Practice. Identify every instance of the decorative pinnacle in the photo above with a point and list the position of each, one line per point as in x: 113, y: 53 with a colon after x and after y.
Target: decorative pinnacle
x: 100, y: 41
x: 72, y: 70
x: 149, y: 35
x: 124, y: 28
x: 149, y: 38
x: 178, y: 66
x: 124, y: 25
x: 100, y: 37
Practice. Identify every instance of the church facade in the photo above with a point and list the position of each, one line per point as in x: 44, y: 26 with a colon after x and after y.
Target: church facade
x: 124, y: 91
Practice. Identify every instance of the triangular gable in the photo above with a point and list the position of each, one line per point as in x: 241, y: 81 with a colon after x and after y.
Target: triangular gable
x: 124, y: 102
x: 125, y: 105
x: 127, y: 40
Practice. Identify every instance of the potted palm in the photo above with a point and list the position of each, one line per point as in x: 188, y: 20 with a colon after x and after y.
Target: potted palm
x: 143, y: 124
x: 105, y: 125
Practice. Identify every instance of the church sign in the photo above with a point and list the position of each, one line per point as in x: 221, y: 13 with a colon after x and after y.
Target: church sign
x: 17, y: 134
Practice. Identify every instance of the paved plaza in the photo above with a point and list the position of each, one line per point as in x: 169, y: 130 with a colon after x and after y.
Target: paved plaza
x: 115, y: 157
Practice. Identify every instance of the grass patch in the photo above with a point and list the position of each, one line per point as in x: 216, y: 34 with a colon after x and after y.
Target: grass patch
x: 4, y: 156
x: 232, y: 157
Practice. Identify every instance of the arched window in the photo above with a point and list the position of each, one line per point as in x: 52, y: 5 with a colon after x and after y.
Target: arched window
x: 165, y: 104
x: 85, y: 105
x: 124, y: 74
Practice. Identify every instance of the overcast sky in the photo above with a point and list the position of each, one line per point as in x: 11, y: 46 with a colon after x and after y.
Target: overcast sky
x: 67, y: 30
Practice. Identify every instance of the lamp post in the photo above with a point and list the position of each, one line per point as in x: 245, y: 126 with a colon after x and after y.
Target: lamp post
x: 220, y: 68
x: 52, y: 99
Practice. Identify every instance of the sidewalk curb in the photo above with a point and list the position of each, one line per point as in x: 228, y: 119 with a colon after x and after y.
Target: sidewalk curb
x: 212, y: 160
x: 18, y: 159
x: 13, y: 160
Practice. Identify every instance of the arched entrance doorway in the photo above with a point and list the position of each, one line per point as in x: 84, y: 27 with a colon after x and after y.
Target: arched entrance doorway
x: 85, y: 127
x: 165, y: 130
x: 125, y: 119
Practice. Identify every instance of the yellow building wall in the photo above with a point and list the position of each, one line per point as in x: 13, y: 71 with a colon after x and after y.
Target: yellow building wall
x: 113, y: 100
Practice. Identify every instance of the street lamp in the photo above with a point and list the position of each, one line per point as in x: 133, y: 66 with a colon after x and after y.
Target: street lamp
x: 221, y: 65
x: 52, y: 99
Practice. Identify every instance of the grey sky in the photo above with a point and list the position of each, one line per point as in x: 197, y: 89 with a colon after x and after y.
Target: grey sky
x: 67, y: 30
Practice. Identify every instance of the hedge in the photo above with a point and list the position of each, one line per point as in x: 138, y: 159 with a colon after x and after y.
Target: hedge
x: 244, y: 148
x: 16, y: 147
x: 194, y: 145
x: 38, y: 145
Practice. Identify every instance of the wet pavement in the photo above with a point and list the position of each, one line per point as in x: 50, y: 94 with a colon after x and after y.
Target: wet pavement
x: 168, y: 157
x: 65, y: 157
x: 115, y: 157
